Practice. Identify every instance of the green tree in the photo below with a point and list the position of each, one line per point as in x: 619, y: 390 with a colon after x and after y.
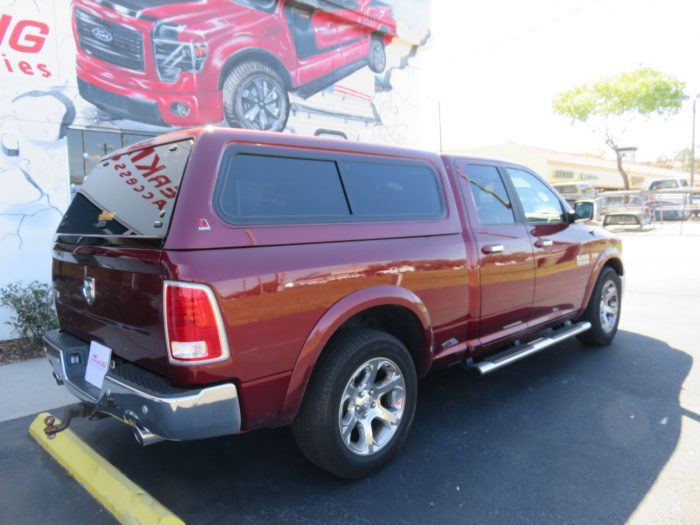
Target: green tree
x: 610, y: 105
x: 680, y: 160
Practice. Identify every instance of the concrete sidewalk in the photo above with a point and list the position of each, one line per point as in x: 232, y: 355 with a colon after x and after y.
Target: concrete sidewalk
x: 28, y: 387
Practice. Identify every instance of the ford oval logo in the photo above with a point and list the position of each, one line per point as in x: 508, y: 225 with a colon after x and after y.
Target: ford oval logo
x: 102, y: 34
x: 89, y: 290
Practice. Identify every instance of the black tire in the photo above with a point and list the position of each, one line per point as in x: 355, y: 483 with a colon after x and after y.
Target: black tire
x: 245, y: 89
x: 601, y: 334
x: 317, y: 427
x: 377, y: 55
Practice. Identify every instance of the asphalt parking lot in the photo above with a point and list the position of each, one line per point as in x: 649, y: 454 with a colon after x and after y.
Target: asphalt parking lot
x: 571, y: 435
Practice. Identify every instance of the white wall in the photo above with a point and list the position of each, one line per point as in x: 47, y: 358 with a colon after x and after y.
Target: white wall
x: 34, y: 182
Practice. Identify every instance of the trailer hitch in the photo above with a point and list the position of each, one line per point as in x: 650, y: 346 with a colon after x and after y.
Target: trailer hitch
x: 70, y: 412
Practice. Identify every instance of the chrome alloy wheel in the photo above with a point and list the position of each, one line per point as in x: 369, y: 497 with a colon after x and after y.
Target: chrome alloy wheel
x: 262, y: 103
x: 372, y: 406
x: 609, y: 306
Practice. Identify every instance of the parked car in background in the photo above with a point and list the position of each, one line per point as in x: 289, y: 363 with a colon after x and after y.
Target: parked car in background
x: 670, y: 209
x: 217, y: 281
x: 626, y: 208
x: 669, y: 200
x: 575, y: 191
x: 667, y: 184
x: 196, y: 63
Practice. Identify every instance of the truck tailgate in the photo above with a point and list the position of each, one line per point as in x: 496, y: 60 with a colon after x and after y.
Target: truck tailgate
x: 107, y: 271
x: 113, y: 296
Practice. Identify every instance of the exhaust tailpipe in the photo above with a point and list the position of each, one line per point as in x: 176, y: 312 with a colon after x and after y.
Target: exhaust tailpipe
x: 145, y: 437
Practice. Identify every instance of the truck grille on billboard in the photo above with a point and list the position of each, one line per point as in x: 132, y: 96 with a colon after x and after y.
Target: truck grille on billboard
x: 110, y: 42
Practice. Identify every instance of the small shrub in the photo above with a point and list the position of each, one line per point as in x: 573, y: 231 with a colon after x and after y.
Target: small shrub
x: 33, y: 309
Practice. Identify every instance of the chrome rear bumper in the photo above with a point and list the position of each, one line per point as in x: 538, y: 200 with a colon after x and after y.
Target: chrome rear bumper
x: 143, y: 399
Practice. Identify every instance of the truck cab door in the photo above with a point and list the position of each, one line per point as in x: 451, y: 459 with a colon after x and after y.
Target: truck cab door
x: 506, y: 262
x: 563, y: 262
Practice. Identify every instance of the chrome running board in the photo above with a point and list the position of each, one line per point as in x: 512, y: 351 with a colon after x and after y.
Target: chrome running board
x: 512, y: 355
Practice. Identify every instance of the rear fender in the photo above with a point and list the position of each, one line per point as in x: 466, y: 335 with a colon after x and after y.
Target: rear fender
x: 333, y: 319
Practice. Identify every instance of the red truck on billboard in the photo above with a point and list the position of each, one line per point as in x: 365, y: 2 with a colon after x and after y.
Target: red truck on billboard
x: 184, y: 63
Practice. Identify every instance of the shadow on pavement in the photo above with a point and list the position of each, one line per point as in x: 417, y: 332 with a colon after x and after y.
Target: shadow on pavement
x: 570, y: 435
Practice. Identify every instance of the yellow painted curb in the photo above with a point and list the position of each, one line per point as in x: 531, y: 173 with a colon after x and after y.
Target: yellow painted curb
x: 127, y: 502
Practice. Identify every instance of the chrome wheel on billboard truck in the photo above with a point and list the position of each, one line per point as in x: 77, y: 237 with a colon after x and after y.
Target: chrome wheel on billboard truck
x: 377, y: 54
x: 359, y: 404
x: 255, y: 97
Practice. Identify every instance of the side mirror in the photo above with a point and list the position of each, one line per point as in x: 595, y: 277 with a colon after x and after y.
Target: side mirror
x: 584, y: 210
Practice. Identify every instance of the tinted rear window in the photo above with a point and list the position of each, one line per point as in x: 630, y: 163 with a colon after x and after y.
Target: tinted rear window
x: 391, y: 190
x: 131, y: 195
x: 266, y: 189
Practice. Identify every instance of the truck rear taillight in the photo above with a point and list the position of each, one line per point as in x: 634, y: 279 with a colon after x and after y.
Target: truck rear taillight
x: 194, y: 329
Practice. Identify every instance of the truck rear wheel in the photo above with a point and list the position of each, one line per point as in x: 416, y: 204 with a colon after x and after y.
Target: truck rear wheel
x: 359, y: 405
x: 255, y: 97
x: 603, y: 311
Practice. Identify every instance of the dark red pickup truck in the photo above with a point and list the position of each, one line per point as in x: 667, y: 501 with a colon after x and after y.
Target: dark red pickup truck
x: 216, y: 281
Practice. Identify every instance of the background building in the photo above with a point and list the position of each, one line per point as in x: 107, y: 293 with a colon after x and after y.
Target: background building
x: 559, y: 166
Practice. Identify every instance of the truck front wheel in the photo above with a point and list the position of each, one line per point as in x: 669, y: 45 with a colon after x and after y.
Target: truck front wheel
x: 255, y: 97
x: 359, y: 405
x: 603, y: 311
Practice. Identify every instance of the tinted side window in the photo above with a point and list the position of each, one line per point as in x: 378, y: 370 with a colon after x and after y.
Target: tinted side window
x: 266, y: 189
x: 489, y: 195
x: 540, y: 204
x: 390, y: 190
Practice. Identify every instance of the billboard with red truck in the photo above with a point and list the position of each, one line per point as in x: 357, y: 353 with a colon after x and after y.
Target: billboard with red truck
x: 82, y: 78
x: 192, y: 63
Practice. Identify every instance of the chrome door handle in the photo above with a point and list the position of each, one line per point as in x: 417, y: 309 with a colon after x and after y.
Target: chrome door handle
x: 543, y: 243
x: 492, y: 248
